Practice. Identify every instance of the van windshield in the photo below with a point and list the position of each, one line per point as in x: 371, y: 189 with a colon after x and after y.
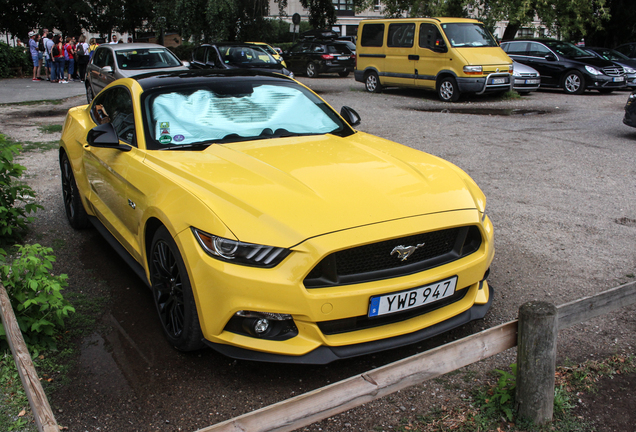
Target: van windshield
x: 468, y: 35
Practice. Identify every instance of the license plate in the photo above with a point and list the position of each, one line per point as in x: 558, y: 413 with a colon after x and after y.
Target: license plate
x: 533, y: 81
x: 498, y: 81
x: 619, y: 79
x: 416, y: 297
x: 343, y: 57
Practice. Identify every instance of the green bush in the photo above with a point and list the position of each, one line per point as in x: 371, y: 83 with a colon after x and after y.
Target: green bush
x: 183, y: 51
x: 16, y: 198
x: 14, y: 60
x: 35, y: 294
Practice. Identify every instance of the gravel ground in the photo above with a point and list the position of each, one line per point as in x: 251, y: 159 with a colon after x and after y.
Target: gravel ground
x: 559, y: 175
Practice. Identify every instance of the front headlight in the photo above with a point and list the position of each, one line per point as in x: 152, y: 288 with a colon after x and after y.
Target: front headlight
x: 515, y: 73
x: 593, y: 70
x: 238, y: 252
x: 629, y: 70
x: 473, y: 70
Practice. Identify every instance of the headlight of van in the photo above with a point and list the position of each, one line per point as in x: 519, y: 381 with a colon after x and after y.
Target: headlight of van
x: 593, y: 70
x: 473, y: 70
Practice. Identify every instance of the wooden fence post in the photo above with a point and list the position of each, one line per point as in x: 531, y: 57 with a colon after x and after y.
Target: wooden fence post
x: 536, y: 361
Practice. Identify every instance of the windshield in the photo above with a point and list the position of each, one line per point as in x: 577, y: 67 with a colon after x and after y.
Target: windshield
x: 245, y: 56
x: 566, y: 49
x: 610, y: 54
x: 235, y: 110
x: 146, y: 58
x: 468, y: 35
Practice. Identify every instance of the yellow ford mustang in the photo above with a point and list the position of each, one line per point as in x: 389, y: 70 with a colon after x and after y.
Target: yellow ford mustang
x: 266, y: 226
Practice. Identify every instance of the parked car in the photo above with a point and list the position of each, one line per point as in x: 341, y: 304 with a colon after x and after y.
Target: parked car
x: 274, y: 52
x: 525, y: 78
x: 318, y: 56
x: 111, y: 62
x: 628, y: 49
x: 563, y: 65
x: 630, y: 110
x: 351, y: 45
x: 233, y: 55
x: 629, y: 65
x: 448, y: 55
x: 266, y: 226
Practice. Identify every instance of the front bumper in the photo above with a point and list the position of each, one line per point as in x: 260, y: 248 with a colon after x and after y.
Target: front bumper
x: 485, y: 84
x: 222, y: 289
x: 603, y: 82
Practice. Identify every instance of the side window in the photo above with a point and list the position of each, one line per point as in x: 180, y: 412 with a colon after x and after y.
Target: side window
x: 211, y: 57
x: 430, y: 37
x: 100, y: 58
x: 199, y: 55
x: 516, y: 48
x: 114, y: 106
x: 538, y: 50
x: 109, y: 60
x: 372, y: 35
x: 625, y: 49
x: 306, y: 47
x: 318, y: 48
x: 401, y: 35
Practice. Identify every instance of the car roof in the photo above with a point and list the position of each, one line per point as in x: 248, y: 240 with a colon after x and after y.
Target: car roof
x: 195, y: 77
x: 127, y: 46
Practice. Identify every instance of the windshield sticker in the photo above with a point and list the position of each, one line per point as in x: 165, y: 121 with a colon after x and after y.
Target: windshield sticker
x: 165, y: 139
x: 164, y: 125
x: 165, y: 132
x: 178, y: 138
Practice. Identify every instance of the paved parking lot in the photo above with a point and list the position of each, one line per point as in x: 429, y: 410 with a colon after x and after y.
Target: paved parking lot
x: 559, y: 173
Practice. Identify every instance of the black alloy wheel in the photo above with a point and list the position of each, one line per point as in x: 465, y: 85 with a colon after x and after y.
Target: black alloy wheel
x: 73, y: 206
x: 172, y: 293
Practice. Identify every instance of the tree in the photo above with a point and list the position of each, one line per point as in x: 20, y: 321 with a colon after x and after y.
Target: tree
x: 620, y: 28
x: 19, y: 18
x: 322, y: 13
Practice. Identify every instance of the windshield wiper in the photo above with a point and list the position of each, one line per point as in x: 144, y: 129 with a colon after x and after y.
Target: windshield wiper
x: 202, y: 145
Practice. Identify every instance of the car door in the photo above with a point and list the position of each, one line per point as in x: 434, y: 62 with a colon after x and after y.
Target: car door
x: 118, y: 201
x: 400, y: 55
x: 432, y: 56
x: 98, y: 77
x: 297, y: 57
x: 546, y: 62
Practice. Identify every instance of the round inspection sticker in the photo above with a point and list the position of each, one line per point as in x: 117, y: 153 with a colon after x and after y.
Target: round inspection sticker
x: 178, y: 138
x: 165, y: 139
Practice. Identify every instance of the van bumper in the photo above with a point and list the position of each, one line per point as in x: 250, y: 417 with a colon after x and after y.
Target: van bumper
x: 358, y: 75
x: 484, y: 85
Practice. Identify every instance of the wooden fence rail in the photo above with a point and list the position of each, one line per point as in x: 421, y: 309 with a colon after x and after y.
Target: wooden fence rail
x: 44, y: 418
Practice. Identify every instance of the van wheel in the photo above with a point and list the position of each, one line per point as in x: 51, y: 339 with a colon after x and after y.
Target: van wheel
x: 372, y: 83
x: 574, y: 83
x: 447, y: 90
x: 312, y: 72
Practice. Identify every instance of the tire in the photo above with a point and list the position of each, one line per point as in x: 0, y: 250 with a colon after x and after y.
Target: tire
x: 343, y: 74
x: 372, y: 83
x: 75, y: 211
x: 312, y: 70
x: 89, y: 93
x: 172, y: 293
x: 447, y: 90
x: 574, y: 83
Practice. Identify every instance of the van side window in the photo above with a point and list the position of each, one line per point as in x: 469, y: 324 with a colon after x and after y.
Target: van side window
x: 372, y: 35
x: 401, y: 35
x: 430, y: 37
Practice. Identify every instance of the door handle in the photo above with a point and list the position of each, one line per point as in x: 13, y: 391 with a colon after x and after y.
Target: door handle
x: 413, y: 57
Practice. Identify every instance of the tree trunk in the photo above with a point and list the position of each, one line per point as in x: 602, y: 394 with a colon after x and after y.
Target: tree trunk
x: 511, y: 31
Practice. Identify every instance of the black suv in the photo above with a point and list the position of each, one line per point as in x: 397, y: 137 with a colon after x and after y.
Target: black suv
x: 313, y: 57
x: 232, y: 55
x: 566, y: 66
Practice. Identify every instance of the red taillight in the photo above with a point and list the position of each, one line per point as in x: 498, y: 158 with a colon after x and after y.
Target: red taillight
x: 327, y: 56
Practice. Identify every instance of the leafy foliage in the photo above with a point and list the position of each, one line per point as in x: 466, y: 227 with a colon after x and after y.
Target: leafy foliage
x: 15, y: 197
x: 498, y: 401
x: 12, y: 59
x: 35, y: 294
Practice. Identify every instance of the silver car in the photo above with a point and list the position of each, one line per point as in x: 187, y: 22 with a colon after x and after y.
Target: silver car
x: 526, y: 79
x: 113, y: 61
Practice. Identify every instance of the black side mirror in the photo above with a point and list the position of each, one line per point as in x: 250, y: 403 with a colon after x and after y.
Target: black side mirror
x: 105, y: 136
x: 550, y: 57
x: 350, y: 115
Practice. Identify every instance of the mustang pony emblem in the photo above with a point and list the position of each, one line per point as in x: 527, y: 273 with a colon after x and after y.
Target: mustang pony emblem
x: 405, y: 251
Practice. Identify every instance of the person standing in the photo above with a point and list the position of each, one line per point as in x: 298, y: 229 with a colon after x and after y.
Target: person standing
x: 69, y: 58
x: 82, y: 50
x: 91, y: 49
x: 34, y: 37
x: 48, y: 45
x: 113, y: 40
x: 41, y: 61
x: 57, y: 53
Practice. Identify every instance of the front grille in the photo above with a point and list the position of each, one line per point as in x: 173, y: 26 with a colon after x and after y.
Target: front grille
x: 529, y: 75
x: 613, y: 71
x: 364, y: 322
x: 378, y: 261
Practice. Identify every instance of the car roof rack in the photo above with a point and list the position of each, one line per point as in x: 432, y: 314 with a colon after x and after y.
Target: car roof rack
x: 319, y: 34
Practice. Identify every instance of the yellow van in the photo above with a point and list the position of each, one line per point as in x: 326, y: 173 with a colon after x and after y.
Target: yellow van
x: 449, y: 55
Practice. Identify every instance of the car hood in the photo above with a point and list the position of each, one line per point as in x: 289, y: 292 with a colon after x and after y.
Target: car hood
x: 127, y: 73
x: 282, y: 191
x: 484, y: 56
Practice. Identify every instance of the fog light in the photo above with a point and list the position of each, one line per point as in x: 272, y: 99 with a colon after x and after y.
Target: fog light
x: 261, y: 326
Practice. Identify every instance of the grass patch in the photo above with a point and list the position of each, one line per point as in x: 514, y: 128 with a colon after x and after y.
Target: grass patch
x: 29, y: 146
x: 52, y: 128
x: 510, y: 95
x: 15, y: 412
x: 37, y: 102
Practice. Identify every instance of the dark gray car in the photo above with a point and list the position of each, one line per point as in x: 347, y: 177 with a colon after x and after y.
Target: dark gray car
x: 113, y: 61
